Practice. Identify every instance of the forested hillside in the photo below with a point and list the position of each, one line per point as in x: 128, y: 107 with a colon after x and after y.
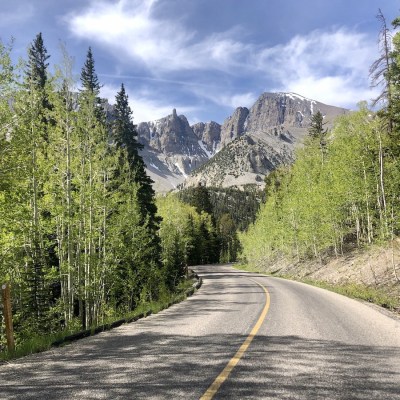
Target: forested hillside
x: 241, y: 205
x: 343, y: 190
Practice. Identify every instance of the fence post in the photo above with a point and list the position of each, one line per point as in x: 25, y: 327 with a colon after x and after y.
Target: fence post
x: 6, y: 296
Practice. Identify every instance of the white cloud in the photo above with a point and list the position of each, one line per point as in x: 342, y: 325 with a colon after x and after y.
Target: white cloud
x: 339, y: 91
x: 129, y: 29
x: 328, y: 66
x: 225, y: 98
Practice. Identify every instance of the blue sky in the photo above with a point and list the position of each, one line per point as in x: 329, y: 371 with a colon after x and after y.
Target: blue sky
x: 207, y: 57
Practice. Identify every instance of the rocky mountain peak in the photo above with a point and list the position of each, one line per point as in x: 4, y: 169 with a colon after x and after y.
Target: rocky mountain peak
x: 234, y: 126
x: 209, y: 135
x: 249, y: 144
x: 273, y: 111
x: 171, y: 147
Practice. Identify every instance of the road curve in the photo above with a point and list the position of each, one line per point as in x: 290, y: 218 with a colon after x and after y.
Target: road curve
x: 312, y: 344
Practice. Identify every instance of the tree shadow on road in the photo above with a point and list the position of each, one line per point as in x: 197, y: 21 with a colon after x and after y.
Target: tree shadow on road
x: 126, y: 365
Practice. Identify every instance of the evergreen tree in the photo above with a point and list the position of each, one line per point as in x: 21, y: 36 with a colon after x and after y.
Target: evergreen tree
x: 91, y: 86
x: 317, y: 131
x: 228, y: 239
x: 201, y: 200
x: 89, y: 79
x: 36, y: 79
x: 36, y: 72
x: 148, y: 264
x: 32, y: 134
x: 124, y: 131
x: 124, y: 135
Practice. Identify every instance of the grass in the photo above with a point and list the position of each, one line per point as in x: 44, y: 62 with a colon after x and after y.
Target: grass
x: 36, y: 344
x: 356, y: 291
x: 361, y: 292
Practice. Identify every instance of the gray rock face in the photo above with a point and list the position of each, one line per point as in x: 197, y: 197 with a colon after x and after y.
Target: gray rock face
x: 209, y: 134
x: 172, y: 140
x: 245, y: 160
x: 277, y: 113
x: 170, y: 135
x: 234, y: 126
x: 254, y: 142
x: 250, y: 143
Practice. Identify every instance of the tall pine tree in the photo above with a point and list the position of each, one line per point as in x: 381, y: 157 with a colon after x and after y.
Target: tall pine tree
x: 33, y: 106
x: 124, y: 134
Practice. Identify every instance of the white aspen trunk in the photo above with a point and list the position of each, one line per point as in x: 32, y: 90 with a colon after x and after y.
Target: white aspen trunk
x: 70, y: 297
x: 381, y: 181
x: 369, y: 224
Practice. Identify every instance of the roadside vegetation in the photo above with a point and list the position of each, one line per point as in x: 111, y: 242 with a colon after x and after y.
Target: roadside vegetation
x: 82, y: 242
x: 342, y: 193
x: 383, y: 296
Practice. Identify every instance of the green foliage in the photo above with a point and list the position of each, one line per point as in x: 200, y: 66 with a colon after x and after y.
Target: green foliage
x: 36, y: 71
x: 241, y: 205
x: 316, y: 129
x: 230, y: 210
x: 124, y: 134
x: 89, y: 79
x: 188, y: 237
x: 315, y: 207
x: 79, y: 236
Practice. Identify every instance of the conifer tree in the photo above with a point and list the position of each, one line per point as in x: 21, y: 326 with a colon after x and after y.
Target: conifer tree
x: 89, y: 79
x: 124, y: 134
x: 200, y: 199
x: 34, y: 124
x: 36, y: 72
x: 91, y: 86
x: 124, y: 131
x: 317, y: 131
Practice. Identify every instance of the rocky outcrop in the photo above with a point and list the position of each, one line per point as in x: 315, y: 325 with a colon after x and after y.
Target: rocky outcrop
x: 256, y: 141
x: 172, y: 141
x: 209, y: 134
x: 250, y: 143
x: 234, y: 126
x: 287, y: 114
x: 246, y: 160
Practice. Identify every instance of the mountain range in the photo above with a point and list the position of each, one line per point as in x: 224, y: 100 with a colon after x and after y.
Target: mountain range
x: 250, y: 143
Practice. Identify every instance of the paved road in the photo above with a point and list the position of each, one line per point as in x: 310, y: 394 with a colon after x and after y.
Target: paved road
x: 313, y: 344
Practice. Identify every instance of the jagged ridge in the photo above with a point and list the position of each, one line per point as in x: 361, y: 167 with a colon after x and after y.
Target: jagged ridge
x: 272, y: 128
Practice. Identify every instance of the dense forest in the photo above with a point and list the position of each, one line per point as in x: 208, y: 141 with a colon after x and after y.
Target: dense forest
x: 242, y: 205
x: 343, y: 191
x: 82, y: 237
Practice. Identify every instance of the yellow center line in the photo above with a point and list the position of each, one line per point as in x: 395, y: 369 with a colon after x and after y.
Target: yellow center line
x: 223, y: 376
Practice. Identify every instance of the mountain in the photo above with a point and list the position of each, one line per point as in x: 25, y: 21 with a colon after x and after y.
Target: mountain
x: 243, y: 161
x: 209, y: 136
x: 257, y: 140
x: 171, y: 150
x: 246, y: 147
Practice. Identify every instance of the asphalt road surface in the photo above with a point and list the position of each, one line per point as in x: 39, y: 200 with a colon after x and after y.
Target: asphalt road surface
x: 294, y: 342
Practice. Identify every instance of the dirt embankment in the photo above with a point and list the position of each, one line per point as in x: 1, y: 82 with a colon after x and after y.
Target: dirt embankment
x: 376, y: 267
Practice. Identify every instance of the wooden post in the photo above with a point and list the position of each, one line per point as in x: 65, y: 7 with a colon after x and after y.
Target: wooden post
x: 6, y: 296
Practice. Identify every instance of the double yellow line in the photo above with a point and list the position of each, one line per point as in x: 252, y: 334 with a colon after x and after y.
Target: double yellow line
x: 223, y: 376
